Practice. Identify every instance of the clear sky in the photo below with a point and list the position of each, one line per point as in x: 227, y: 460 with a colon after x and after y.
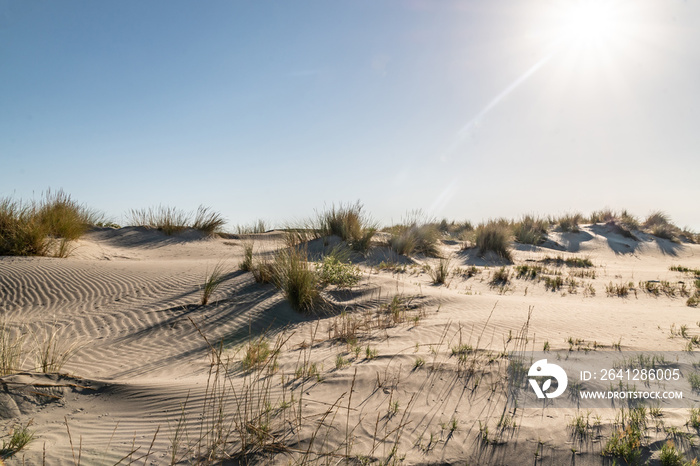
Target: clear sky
x: 262, y: 109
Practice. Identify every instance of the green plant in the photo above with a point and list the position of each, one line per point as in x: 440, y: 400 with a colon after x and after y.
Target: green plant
x: 348, y: 222
x: 258, y: 227
x: 11, y: 345
x: 20, y: 436
x: 52, y: 352
x: 441, y: 272
x: 299, y: 283
x: 418, y: 363
x: 212, y: 281
x: 171, y: 220
x: 334, y: 271
x: 246, y: 264
x: 341, y: 362
x: 621, y: 289
x: 256, y: 353
x: 570, y: 222
x: 670, y: 456
x: 494, y: 236
x: 500, y: 277
x: 530, y: 230
x: 43, y: 227
x: 553, y: 284
x: 415, y: 238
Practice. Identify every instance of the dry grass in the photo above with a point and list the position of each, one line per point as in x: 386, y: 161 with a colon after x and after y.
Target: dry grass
x: 530, y: 230
x: 52, y: 350
x: 11, y: 346
x: 297, y: 280
x: 171, y: 220
x: 43, y: 227
x: 494, y: 236
x: 212, y: 281
x: 569, y: 223
x: 348, y: 222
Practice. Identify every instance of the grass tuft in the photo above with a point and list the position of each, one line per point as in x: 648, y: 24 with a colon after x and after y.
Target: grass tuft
x: 494, y: 236
x: 299, y: 283
x: 212, y: 281
x: 348, y: 222
x: 530, y: 230
x: 171, y: 220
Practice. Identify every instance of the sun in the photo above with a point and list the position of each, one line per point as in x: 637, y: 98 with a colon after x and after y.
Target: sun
x: 589, y: 22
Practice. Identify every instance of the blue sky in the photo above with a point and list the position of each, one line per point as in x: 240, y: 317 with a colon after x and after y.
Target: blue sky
x: 467, y: 110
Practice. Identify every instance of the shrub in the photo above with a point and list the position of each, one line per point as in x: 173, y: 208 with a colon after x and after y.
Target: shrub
x: 19, y: 438
x: 171, y: 220
x: 263, y: 271
x: 333, y: 270
x: 349, y: 223
x: 293, y: 275
x: 207, y: 221
x: 256, y: 353
x: 441, y: 272
x: 569, y: 223
x: 659, y: 225
x: 494, y: 236
x: 37, y: 228
x: 415, y: 238
x: 530, y: 230
x: 246, y: 264
x: 500, y: 276
x: 670, y: 456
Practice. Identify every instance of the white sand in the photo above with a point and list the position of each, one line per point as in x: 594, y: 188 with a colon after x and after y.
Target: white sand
x: 127, y: 297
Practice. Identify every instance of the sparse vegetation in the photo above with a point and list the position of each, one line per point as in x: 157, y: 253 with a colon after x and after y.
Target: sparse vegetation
x: 335, y: 270
x: 348, y: 222
x: 440, y: 273
x: 45, y: 227
x: 530, y: 230
x: 212, y: 281
x: 569, y: 223
x: 256, y: 353
x: 52, y: 350
x: 494, y: 236
x: 171, y: 220
x: 415, y: 235
x: 294, y: 276
x: 20, y: 436
x: 11, y: 344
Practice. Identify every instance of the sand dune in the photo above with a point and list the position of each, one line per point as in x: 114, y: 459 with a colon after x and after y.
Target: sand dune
x: 130, y: 298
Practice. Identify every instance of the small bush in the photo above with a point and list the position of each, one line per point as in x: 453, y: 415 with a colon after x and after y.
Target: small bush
x: 670, y: 456
x: 246, y: 264
x: 530, y: 230
x: 500, y: 276
x: 171, y: 220
x: 553, y: 284
x: 256, y: 353
x: 349, y: 223
x: 659, y: 225
x: 49, y: 225
x: 570, y: 222
x: 19, y: 438
x: 441, y: 272
x: 334, y: 271
x: 263, y: 271
x: 415, y: 238
x: 299, y: 283
x: 494, y: 236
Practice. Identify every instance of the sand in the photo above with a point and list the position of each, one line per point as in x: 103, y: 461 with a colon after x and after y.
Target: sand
x: 140, y: 383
